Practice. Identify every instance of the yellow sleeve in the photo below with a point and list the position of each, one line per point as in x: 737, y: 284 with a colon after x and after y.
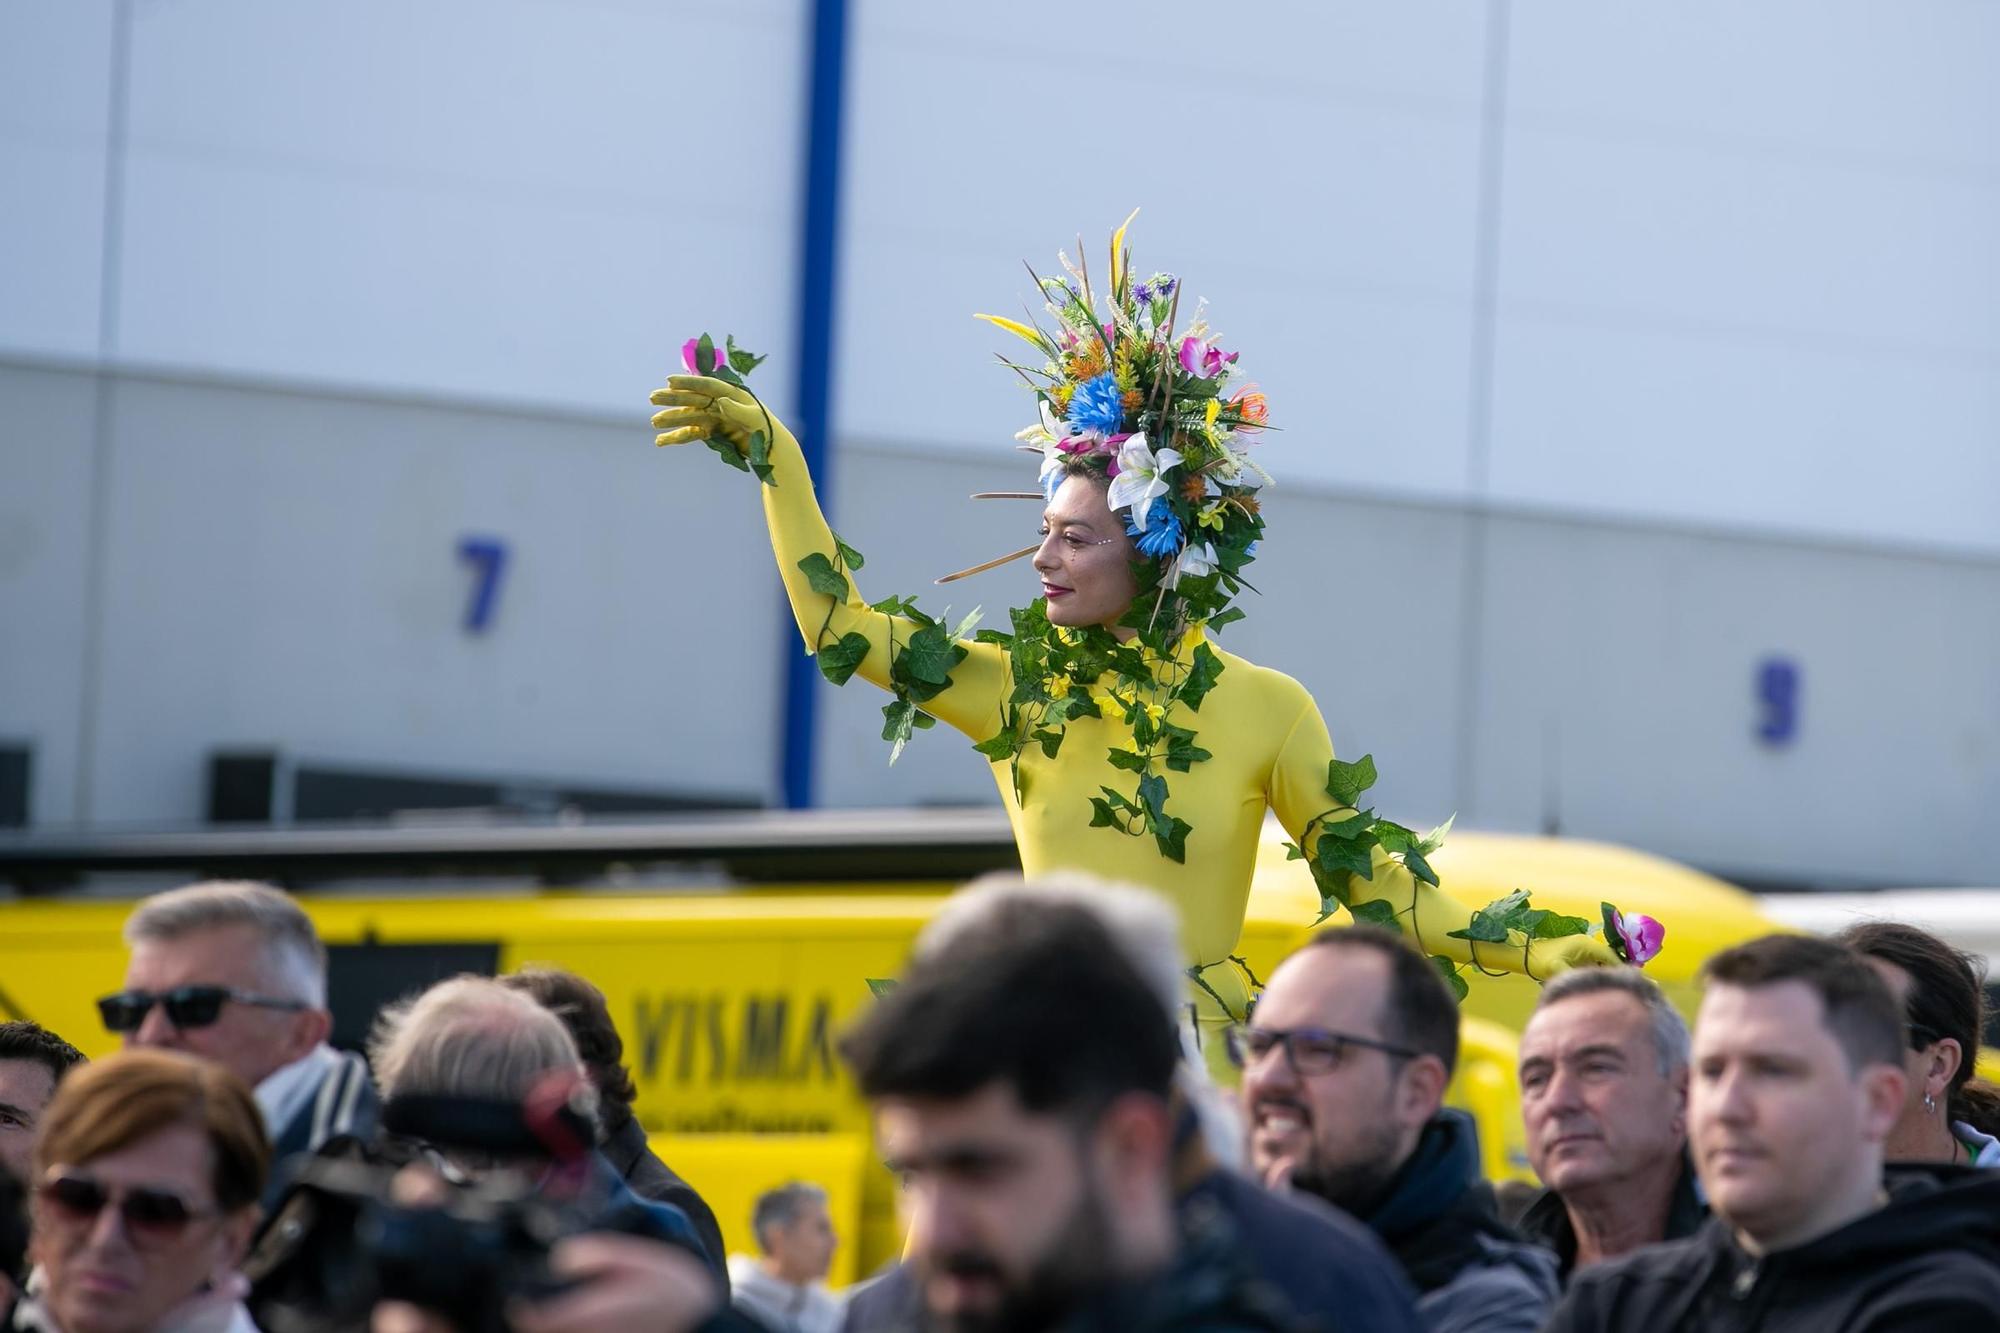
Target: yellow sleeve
x: 979, y: 684
x: 1424, y: 912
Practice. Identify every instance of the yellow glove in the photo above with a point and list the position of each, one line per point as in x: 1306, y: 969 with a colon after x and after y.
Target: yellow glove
x: 700, y: 408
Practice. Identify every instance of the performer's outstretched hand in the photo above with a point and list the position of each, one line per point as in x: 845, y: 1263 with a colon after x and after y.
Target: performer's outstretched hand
x: 1546, y: 958
x: 700, y: 408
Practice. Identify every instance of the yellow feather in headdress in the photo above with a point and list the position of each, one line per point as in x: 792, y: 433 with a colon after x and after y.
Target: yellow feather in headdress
x: 1118, y: 274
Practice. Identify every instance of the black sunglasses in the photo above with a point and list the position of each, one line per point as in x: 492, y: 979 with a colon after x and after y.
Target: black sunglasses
x: 151, y: 1216
x: 1307, y: 1050
x: 186, y: 1006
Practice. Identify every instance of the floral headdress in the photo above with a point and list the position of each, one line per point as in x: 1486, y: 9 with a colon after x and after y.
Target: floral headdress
x: 1127, y: 392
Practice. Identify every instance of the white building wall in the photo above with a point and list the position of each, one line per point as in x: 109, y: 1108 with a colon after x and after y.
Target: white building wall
x: 1673, y: 350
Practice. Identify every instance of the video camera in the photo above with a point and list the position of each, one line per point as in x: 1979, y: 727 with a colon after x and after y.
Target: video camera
x: 347, y: 1235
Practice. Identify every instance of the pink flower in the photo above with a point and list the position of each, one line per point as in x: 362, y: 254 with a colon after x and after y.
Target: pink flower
x: 691, y: 357
x: 1642, y: 936
x: 1204, y: 360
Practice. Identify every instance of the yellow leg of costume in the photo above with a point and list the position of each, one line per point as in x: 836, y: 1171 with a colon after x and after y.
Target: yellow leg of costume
x: 1218, y: 999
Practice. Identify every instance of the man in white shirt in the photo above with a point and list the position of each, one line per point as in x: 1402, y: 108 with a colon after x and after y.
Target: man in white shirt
x: 783, y: 1288
x: 235, y: 973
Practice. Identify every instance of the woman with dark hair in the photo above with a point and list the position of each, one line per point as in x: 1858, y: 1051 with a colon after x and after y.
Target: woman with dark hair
x: 148, y: 1173
x: 1948, y: 1116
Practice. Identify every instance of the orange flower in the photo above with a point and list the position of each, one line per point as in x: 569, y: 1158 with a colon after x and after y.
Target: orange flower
x: 1194, y: 490
x: 1132, y: 400
x: 1251, y: 407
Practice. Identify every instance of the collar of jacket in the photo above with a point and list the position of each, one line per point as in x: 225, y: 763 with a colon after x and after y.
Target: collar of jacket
x: 1546, y: 1221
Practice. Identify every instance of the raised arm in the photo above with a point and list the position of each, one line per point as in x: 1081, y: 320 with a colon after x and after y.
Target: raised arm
x: 1299, y: 794
x: 696, y: 407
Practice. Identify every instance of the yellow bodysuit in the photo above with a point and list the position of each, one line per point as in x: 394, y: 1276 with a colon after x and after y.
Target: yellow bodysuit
x: 1269, y: 745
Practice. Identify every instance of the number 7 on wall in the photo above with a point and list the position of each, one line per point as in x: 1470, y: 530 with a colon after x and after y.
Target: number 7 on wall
x: 488, y: 558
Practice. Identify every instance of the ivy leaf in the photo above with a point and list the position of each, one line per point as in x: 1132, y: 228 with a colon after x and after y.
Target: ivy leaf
x: 899, y: 719
x: 838, y: 661
x: 1153, y: 796
x: 928, y: 656
x: 728, y: 376
x: 1348, y: 829
x: 1229, y: 617
x: 1101, y: 814
x: 995, y: 636
x: 1051, y: 740
x: 1173, y: 840
x: 1393, y: 836
x: 1435, y: 838
x: 1509, y: 908
x: 1380, y: 912
x: 822, y: 576
x: 1129, y: 760
x: 893, y: 606
x: 999, y: 745
x: 1345, y: 782
x: 727, y: 453
x: 881, y: 987
x: 1338, y: 856
x: 1555, y: 926
x: 1294, y: 852
x: 1181, y: 756
x: 1414, y: 862
x: 1485, y: 928
x: 848, y: 555
x: 924, y: 721
x: 1449, y: 971
x: 760, y: 457
x: 740, y: 361
x: 1202, y: 675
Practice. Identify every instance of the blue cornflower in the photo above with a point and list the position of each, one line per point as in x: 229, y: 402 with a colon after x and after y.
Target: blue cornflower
x: 1164, y: 286
x: 1162, y: 536
x: 1096, y: 407
x: 1143, y: 293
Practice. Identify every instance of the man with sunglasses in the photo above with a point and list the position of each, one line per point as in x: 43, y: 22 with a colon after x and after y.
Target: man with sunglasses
x: 235, y: 973
x: 1346, y: 1057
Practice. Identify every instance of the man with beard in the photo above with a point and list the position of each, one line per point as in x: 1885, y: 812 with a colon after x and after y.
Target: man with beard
x: 1346, y: 1058
x: 1020, y: 1092
x: 1797, y: 1083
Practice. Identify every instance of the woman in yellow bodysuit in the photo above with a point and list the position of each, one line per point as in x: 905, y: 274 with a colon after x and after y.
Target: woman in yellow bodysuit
x: 1262, y: 742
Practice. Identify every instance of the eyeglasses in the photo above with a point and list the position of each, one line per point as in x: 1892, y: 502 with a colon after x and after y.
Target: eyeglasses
x: 151, y: 1216
x: 186, y: 1006
x: 1307, y: 1050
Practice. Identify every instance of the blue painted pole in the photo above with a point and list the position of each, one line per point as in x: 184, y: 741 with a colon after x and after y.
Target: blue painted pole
x: 818, y: 264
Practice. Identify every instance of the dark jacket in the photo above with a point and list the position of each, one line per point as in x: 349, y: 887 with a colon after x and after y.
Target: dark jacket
x: 650, y: 1178
x: 1927, y: 1260
x: 1326, y: 1268
x: 1210, y: 1288
x: 1546, y: 1222
x: 1438, y: 1218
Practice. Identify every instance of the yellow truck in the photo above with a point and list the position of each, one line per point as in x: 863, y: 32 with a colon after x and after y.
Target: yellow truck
x: 731, y: 997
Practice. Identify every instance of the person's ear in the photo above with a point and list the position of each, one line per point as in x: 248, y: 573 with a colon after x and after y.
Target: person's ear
x: 1420, y: 1089
x: 310, y: 1027
x: 1946, y: 1058
x: 1883, y: 1088
x: 1134, y: 1138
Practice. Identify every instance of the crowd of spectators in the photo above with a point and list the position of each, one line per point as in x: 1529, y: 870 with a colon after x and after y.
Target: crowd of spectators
x: 1813, y: 1154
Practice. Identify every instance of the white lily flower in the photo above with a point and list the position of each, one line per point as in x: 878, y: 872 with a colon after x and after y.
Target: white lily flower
x: 1139, y: 478
x: 1193, y: 561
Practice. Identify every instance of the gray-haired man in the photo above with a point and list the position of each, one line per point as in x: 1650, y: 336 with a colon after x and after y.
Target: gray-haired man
x: 1604, y: 1080
x: 235, y: 973
x: 783, y: 1288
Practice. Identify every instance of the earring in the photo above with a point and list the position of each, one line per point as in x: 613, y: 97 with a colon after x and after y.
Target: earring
x: 1930, y: 1104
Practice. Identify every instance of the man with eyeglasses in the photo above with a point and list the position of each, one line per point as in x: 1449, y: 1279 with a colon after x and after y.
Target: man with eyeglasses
x: 1345, y: 1061
x: 235, y: 973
